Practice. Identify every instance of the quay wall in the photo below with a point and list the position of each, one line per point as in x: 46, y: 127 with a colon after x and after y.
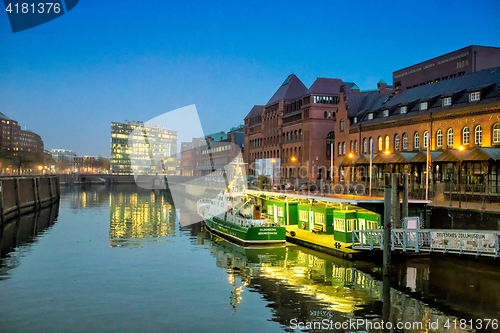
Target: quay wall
x: 20, y: 195
x: 461, y: 218
x: 95, y: 178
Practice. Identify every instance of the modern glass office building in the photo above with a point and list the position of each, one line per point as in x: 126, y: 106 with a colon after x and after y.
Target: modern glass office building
x: 142, y: 148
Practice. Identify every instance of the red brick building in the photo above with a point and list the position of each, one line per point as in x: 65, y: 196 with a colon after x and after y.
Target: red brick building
x: 304, y: 126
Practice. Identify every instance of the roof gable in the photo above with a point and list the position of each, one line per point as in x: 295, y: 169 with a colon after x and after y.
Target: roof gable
x: 256, y: 110
x: 325, y: 86
x: 291, y: 89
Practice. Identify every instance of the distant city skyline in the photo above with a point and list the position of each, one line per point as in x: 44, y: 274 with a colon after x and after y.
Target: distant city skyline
x: 68, y: 79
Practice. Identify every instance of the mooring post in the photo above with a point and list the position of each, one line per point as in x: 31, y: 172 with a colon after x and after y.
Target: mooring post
x: 2, y: 214
x: 35, y: 193
x: 18, y: 194
x: 405, y: 194
x: 387, y: 225
x: 395, y: 203
x: 386, y: 298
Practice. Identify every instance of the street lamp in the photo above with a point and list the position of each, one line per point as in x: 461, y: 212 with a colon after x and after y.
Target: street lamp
x: 387, y: 153
x: 461, y: 149
x: 351, y: 155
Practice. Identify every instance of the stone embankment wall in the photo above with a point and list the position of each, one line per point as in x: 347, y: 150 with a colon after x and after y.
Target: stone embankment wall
x: 20, y: 195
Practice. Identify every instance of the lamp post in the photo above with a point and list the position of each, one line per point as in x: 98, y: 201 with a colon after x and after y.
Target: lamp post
x: 272, y: 180
x: 387, y: 153
x: 351, y: 155
x: 293, y: 159
x: 461, y: 148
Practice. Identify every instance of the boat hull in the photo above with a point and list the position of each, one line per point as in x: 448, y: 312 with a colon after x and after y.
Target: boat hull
x: 252, y: 235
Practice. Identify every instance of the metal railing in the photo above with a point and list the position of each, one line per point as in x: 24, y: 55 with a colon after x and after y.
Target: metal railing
x: 472, y: 242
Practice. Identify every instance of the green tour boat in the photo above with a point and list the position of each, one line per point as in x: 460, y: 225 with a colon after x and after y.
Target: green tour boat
x: 237, y: 216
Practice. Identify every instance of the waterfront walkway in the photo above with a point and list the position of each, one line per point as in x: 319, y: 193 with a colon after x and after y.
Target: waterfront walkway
x: 321, y: 242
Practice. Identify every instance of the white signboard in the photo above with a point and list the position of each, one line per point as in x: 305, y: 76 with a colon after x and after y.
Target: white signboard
x: 463, y: 240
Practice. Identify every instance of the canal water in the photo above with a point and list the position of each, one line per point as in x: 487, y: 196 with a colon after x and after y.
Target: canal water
x: 122, y: 259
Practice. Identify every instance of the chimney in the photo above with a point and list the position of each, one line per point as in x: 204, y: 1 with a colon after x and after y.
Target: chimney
x: 355, y: 88
x: 382, y: 86
x: 397, y: 87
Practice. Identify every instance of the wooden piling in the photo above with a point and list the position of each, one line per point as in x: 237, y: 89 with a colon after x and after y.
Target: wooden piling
x: 2, y: 212
x: 395, y: 205
x: 387, y: 225
x: 17, y: 189
x: 405, y: 195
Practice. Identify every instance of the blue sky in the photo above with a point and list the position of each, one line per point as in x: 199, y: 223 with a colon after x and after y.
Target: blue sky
x: 105, y: 61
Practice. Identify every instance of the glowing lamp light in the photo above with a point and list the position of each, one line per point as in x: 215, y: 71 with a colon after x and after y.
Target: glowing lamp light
x: 294, y: 158
x: 40, y: 167
x: 274, y: 161
x: 461, y: 148
x: 387, y: 152
x: 351, y: 155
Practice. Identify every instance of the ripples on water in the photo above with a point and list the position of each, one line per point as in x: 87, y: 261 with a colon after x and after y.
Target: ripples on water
x: 116, y: 259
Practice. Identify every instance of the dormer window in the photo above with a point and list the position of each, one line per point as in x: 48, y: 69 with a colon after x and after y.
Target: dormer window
x: 474, y: 96
x: 403, y: 109
x: 355, y: 120
x: 386, y: 113
x: 370, y: 116
x: 447, y: 101
x: 423, y: 106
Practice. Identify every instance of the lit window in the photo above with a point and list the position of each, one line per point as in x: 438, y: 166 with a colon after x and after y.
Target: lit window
x: 371, y: 145
x: 380, y: 147
x: 342, y: 125
x: 364, y: 146
x: 465, y: 136
x: 496, y: 133
x: 343, y: 148
x: 351, y: 224
x: 446, y: 101
x: 449, y: 142
x: 478, y: 135
x: 403, y: 109
x: 439, y: 138
x: 386, y: 142
x: 339, y: 224
x: 474, y: 96
x: 405, y: 141
x: 426, y: 139
x: 396, y: 142
x: 355, y: 120
x: 340, y: 149
x: 370, y: 116
x: 386, y: 113
x: 356, y: 146
x: 423, y: 106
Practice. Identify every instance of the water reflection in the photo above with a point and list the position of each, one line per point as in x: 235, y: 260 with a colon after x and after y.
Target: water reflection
x: 86, y: 196
x: 139, y: 214
x: 18, y: 235
x: 307, y: 286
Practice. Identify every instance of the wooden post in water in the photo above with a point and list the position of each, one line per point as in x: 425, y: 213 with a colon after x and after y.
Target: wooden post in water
x: 405, y: 195
x: 387, y: 226
x: 395, y: 204
x: 36, y: 202
x: 2, y: 212
x: 51, y: 190
x: 17, y: 194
